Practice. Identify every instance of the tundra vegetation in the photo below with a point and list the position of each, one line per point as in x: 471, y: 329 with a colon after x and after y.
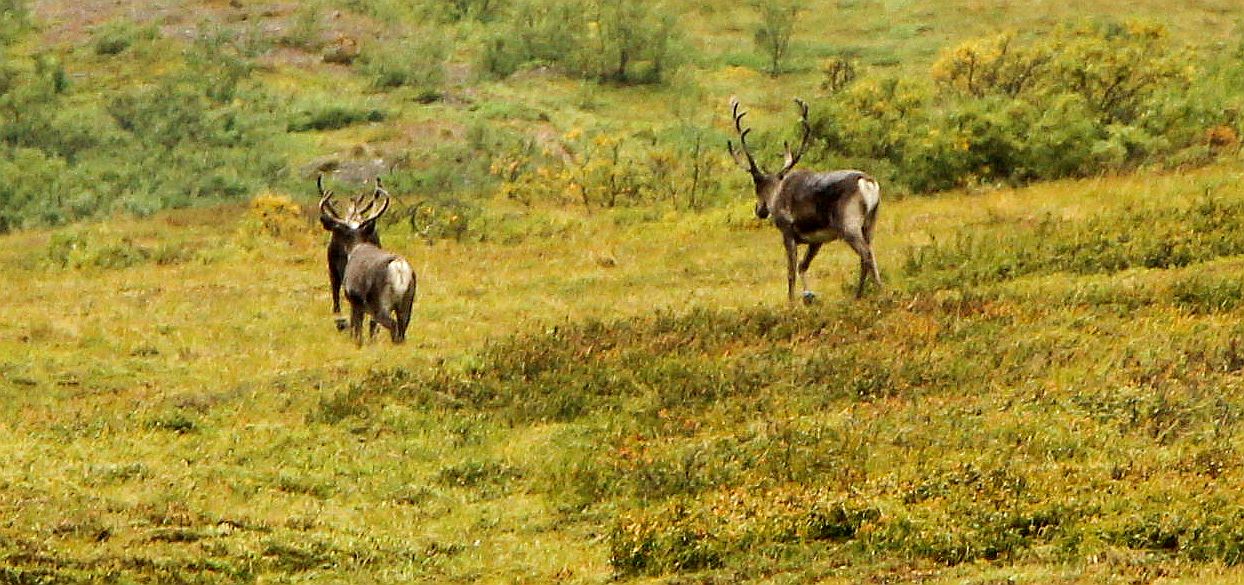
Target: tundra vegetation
x: 600, y: 383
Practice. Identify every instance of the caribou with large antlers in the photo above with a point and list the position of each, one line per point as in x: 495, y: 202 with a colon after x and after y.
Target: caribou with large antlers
x: 355, y: 224
x: 812, y: 208
x: 376, y: 282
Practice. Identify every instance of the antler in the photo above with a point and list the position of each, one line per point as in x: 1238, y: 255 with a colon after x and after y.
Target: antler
x: 750, y: 165
x: 326, y: 202
x: 378, y: 193
x: 793, y: 158
x: 357, y: 204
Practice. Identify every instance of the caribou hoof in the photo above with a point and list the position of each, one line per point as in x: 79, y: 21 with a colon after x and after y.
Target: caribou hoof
x: 809, y: 297
x: 341, y: 323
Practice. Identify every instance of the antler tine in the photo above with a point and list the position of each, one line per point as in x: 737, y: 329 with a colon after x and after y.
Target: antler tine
x: 377, y: 194
x: 359, y: 209
x: 793, y: 158
x: 326, y: 199
x: 752, y: 167
x: 319, y: 184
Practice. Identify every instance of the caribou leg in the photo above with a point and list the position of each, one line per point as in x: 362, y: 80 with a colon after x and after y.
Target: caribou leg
x: 384, y: 316
x: 868, y: 239
x: 403, y: 315
x: 867, y: 265
x: 356, y: 322
x: 792, y: 256
x: 808, y: 255
x: 336, y: 272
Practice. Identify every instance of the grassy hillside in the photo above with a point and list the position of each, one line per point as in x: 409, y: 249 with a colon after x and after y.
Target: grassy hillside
x: 1046, y: 391
x: 185, y: 416
x: 131, y: 107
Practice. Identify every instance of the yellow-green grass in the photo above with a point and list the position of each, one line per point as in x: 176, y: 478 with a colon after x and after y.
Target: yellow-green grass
x: 178, y: 422
x: 167, y: 422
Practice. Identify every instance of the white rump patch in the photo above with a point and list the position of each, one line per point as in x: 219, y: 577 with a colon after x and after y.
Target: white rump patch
x: 871, y: 192
x: 400, y: 277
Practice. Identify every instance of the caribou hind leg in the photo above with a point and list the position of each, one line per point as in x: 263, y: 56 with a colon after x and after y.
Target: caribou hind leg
x: 868, y: 239
x: 356, y: 320
x: 403, y: 309
x: 384, y: 316
x: 868, y: 266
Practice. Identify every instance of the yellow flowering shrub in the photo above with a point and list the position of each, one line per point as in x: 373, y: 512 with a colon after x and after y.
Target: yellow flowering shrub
x: 277, y: 217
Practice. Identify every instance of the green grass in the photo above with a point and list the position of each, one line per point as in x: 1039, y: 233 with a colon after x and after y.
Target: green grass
x: 1047, y: 390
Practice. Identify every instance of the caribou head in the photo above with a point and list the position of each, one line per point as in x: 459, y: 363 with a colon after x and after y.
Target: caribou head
x: 766, y: 183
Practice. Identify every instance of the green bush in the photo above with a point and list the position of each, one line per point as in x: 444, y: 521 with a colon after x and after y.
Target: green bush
x: 73, y: 250
x: 33, y: 186
x: 777, y: 26
x: 116, y: 36
x: 481, y: 10
x: 630, y: 41
x: 14, y: 20
x: 332, y: 117
x: 199, y: 132
x: 305, y: 32
x: 1085, y: 99
x: 634, y: 41
x: 417, y: 62
x: 537, y: 32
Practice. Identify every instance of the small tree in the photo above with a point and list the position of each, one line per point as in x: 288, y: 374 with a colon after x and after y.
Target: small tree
x: 417, y: 62
x: 777, y: 26
x: 838, y: 74
x: 635, y: 41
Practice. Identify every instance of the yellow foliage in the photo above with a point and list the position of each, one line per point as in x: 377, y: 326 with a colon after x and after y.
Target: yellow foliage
x: 275, y: 216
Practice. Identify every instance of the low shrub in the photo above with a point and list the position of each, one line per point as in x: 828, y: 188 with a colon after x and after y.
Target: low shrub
x: 1142, y: 238
x: 678, y: 169
x: 683, y: 536
x: 332, y: 117
x: 115, y: 37
x: 275, y: 217
x: 416, y: 62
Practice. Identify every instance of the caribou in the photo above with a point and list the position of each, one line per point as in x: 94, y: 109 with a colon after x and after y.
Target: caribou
x: 377, y: 283
x: 345, y: 228
x: 812, y: 208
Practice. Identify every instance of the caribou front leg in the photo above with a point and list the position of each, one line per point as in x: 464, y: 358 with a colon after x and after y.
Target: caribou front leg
x: 336, y: 270
x: 792, y: 256
x: 808, y: 255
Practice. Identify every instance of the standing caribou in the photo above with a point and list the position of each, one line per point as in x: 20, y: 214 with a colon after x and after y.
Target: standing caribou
x: 812, y: 207
x: 344, y: 228
x: 376, y: 282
